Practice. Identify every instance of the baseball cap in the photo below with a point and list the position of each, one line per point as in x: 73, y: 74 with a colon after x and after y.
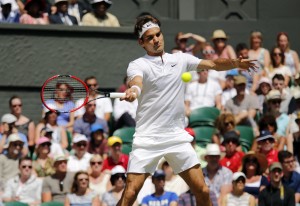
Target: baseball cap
x: 113, y: 140
x: 237, y: 175
x: 158, y: 173
x: 13, y: 138
x: 8, y: 118
x: 265, y: 134
x: 96, y: 127
x: 42, y: 140
x: 231, y: 136
x: 118, y: 170
x: 60, y: 158
x: 79, y: 137
x: 275, y: 165
x: 240, y: 80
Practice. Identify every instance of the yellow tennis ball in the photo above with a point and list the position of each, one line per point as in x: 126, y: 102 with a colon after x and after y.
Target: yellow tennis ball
x: 186, y: 76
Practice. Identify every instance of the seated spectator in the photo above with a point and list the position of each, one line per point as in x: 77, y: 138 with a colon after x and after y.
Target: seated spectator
x: 229, y: 90
x: 103, y: 106
x: 78, y: 9
x: 9, y: 163
x: 35, y: 12
x: 59, y: 134
x: 290, y: 178
x: 99, y: 16
x: 118, y: 180
x: 23, y: 123
x: 56, y: 186
x: 55, y: 148
x: 81, y: 158
x: 232, y: 159
x: 202, y: 93
x: 8, y: 125
x: 7, y: 15
x: 173, y: 182
x: 24, y: 187
x: 43, y: 165
x: 276, y: 194
x: 161, y: 196
x: 238, y: 196
x: 99, y: 181
x: 222, y: 49
x: 61, y: 16
x: 264, y: 87
x: 81, y: 194
x: 265, y: 143
x: 98, y: 143
x: 217, y: 177
x: 116, y: 157
x: 254, y: 165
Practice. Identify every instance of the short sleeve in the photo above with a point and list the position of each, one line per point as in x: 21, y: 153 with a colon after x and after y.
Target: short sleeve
x: 254, y: 104
x: 145, y: 200
x: 134, y: 70
x: 173, y: 197
x: 46, y: 186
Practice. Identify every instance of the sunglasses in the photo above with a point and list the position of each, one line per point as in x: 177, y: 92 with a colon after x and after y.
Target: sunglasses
x: 46, y: 144
x: 208, y: 52
x: 240, y: 180
x: 277, y: 54
x: 251, y: 160
x: 26, y: 166
x: 16, y: 105
x: 276, y: 101
x: 81, y: 144
x: 228, y: 123
x: 220, y: 39
x: 269, y: 140
x: 91, y: 85
x: 233, y: 141
x: 83, y: 179
x: 98, y: 163
x: 17, y: 144
x: 118, y: 176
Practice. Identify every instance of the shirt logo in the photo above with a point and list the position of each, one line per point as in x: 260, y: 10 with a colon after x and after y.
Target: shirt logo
x: 173, y: 65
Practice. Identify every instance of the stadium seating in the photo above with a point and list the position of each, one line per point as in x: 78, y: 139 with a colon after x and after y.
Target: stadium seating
x: 204, y: 116
x: 125, y: 133
x: 52, y: 204
x: 246, y: 137
x: 204, y: 135
x: 15, y: 204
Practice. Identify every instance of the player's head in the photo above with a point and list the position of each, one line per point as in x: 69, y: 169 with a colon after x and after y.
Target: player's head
x: 150, y: 37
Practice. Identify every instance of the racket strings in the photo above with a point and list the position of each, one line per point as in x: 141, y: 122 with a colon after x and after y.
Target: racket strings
x: 64, y: 90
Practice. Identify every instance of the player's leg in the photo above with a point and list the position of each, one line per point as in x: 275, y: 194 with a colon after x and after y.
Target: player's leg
x: 195, y: 180
x: 134, y: 183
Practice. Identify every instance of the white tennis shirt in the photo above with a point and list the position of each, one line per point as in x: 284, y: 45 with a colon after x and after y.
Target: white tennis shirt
x: 160, y: 109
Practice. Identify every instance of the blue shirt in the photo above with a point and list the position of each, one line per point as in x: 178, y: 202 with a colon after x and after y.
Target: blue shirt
x: 293, y: 182
x: 64, y: 117
x: 163, y: 200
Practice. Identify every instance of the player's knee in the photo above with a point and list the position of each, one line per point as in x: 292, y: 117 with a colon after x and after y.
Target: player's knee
x: 202, y: 192
x: 130, y: 193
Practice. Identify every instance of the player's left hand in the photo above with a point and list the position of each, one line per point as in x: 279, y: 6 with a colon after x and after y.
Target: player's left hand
x: 246, y: 64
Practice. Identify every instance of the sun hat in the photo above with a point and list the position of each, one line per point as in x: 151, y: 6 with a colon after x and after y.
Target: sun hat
x: 113, y: 140
x: 240, y: 80
x: 12, y: 138
x: 60, y: 158
x: 8, y: 118
x: 219, y: 34
x: 42, y: 140
x: 212, y: 149
x: 274, y: 94
x: 264, y: 80
x: 261, y: 159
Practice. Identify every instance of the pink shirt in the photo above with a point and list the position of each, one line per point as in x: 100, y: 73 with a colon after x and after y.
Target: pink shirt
x: 27, y: 19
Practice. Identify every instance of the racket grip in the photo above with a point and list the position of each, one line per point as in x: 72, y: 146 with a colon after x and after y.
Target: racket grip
x: 116, y: 95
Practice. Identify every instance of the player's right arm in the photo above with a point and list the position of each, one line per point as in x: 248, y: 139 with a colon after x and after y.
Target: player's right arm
x: 135, y: 86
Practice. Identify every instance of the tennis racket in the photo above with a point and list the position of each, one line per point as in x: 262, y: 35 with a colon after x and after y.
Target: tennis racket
x: 65, y: 90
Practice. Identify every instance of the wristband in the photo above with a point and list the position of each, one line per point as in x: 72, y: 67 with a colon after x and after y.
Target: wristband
x: 139, y: 91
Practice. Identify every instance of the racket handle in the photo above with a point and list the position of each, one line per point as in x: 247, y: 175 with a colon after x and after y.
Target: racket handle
x: 116, y: 95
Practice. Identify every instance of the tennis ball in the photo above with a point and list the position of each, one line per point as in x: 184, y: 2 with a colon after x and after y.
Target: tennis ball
x: 186, y: 76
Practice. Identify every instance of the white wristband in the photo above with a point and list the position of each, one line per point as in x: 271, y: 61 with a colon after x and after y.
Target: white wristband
x: 138, y: 89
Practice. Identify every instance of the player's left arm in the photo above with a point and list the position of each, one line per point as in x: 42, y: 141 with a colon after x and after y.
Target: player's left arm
x: 222, y: 64
x: 135, y: 88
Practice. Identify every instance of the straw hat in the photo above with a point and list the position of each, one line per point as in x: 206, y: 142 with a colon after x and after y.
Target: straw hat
x: 219, y: 34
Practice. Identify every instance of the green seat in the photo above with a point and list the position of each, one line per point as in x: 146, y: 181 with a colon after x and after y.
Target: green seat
x: 52, y: 204
x: 205, y: 116
x: 15, y: 204
x: 70, y: 138
x: 126, y: 148
x: 125, y: 133
x: 204, y: 135
x: 246, y: 137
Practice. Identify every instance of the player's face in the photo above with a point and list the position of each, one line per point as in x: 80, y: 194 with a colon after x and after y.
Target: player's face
x: 153, y: 42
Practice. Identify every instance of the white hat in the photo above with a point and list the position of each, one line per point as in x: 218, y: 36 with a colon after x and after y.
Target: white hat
x: 3, y: 2
x: 118, y: 169
x: 78, y: 138
x: 237, y: 175
x: 13, y: 138
x: 211, y: 149
x: 264, y: 80
x: 98, y: 1
x: 8, y: 118
x: 274, y: 94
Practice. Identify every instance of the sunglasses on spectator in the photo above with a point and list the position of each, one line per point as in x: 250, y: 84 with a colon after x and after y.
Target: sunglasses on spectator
x: 269, y: 140
x: 26, y: 166
x: 220, y: 39
x: 251, y: 160
x: 15, y: 144
x: 46, y: 144
x: 276, y: 101
x: 118, y: 176
x: 241, y: 179
x: 277, y: 54
x: 208, y: 52
x: 233, y: 141
x: 83, y: 179
x: 81, y: 144
x: 98, y: 163
x: 91, y: 85
x: 16, y: 105
x: 228, y: 123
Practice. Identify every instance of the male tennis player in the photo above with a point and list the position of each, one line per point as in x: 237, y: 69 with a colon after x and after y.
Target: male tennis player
x: 155, y: 79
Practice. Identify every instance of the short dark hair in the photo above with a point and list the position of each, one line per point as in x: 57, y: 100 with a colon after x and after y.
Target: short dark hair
x: 266, y: 120
x: 281, y: 54
x: 12, y: 98
x: 141, y: 20
x: 282, y: 155
x: 89, y: 78
x: 241, y: 46
x: 278, y: 76
x: 24, y: 159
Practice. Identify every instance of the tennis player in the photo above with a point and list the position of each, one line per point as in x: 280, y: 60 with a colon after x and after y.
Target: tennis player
x: 155, y: 79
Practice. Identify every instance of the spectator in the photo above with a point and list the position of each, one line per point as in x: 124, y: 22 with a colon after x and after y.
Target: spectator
x: 229, y: 90
x: 161, y: 196
x: 98, y: 143
x: 7, y: 15
x: 290, y: 178
x: 23, y: 123
x: 238, y: 196
x: 35, y: 12
x: 257, y: 52
x: 43, y: 165
x: 116, y: 157
x: 9, y: 162
x: 296, y: 143
x: 276, y: 194
x: 61, y: 16
x: 254, y: 165
x: 81, y: 158
x: 117, y: 180
x: 103, y: 108
x: 77, y: 9
x: 291, y: 56
x: 8, y: 125
x: 81, y: 194
x: 24, y: 187
x: 222, y: 49
x: 56, y: 186
x: 243, y: 105
x: 99, y: 16
x: 217, y: 177
x: 99, y: 181
x: 264, y: 86
x: 232, y: 159
x: 173, y: 182
x: 202, y: 93
x: 265, y: 143
x: 181, y: 40
x: 55, y: 148
x: 278, y: 67
x: 84, y: 123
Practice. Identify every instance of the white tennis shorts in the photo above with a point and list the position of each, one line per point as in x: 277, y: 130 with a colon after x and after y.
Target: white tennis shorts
x: 147, y: 151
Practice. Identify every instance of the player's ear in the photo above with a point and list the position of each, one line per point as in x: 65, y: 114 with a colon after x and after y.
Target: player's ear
x: 141, y: 42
